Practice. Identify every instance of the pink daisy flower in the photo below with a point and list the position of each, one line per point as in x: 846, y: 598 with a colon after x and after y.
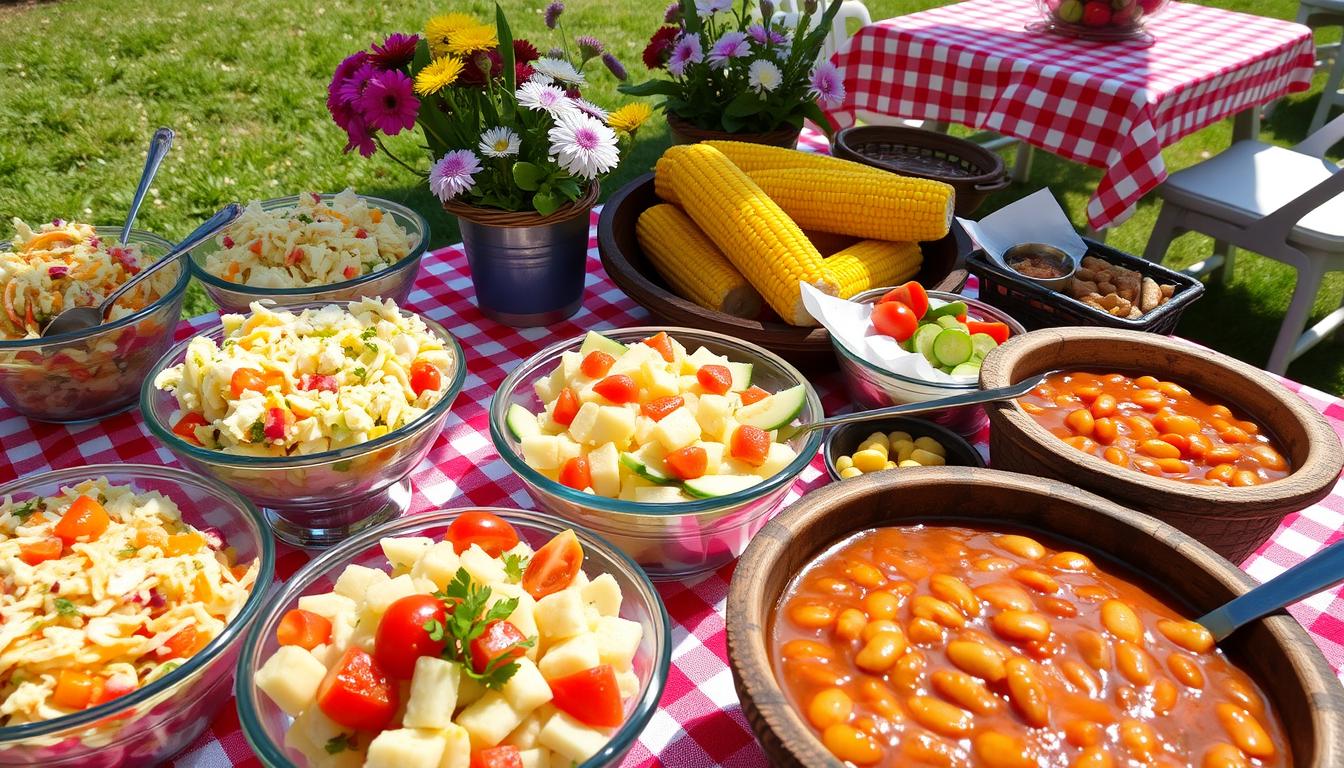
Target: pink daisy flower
x: 453, y: 174
x: 353, y: 87
x: 828, y: 87
x: 732, y: 45
x: 358, y: 137
x: 389, y: 103
x: 396, y: 51
x: 687, y: 51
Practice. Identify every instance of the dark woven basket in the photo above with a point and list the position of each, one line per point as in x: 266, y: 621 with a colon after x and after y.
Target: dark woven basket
x: 973, y: 171
x: 1036, y: 306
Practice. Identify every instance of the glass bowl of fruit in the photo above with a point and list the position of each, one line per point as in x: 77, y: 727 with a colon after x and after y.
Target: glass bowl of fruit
x: 555, y: 651
x: 1098, y: 19
x: 672, y: 443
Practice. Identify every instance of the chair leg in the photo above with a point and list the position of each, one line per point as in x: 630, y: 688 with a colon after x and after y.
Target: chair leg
x: 1164, y: 231
x: 1329, y: 94
x: 1022, y: 162
x: 1309, y: 277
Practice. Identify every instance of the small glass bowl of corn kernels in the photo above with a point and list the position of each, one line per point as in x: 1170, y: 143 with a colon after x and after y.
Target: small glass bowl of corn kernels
x: 872, y: 446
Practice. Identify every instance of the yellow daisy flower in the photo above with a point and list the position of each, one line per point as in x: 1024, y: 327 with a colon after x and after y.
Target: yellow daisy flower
x: 630, y: 117
x: 469, y: 40
x: 440, y: 29
x: 438, y: 75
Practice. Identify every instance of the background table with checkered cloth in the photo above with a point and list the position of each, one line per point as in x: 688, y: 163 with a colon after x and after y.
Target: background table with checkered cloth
x: 698, y: 722
x: 1108, y: 105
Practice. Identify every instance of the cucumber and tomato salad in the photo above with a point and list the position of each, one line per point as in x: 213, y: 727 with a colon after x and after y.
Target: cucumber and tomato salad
x: 944, y: 335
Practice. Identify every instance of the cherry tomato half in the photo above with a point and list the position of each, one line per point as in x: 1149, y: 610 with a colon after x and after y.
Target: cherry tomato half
x: 500, y: 638
x: 750, y: 444
x: 484, y: 529
x: 895, y: 320
x: 661, y: 342
x: 596, y: 364
x: 356, y: 692
x: 911, y: 294
x: 304, y: 629
x: 185, y: 427
x: 591, y: 696
x: 566, y: 407
x: 402, y: 638
x: 999, y: 332
x: 424, y: 377
x: 619, y: 389
x: 688, y: 463
x: 659, y: 407
x: 716, y: 379
x: 554, y: 566
x: 502, y: 756
x: 753, y: 394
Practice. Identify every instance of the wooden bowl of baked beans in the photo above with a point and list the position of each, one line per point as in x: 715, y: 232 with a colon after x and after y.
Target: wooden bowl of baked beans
x: 955, y: 616
x: 1212, y: 445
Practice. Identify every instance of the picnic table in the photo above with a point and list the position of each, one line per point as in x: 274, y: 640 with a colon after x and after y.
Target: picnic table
x: 1112, y: 106
x: 698, y: 722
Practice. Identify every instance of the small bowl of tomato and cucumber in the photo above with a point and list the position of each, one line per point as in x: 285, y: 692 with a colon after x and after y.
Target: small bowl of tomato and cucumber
x: 952, y: 332
x: 490, y: 637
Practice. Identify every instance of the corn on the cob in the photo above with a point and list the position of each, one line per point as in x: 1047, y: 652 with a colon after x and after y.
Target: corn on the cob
x: 760, y: 157
x: 692, y: 264
x: 873, y: 263
x: 887, y: 207
x: 765, y: 245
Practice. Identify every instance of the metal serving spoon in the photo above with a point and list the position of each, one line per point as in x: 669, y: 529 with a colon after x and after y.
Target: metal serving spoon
x: 971, y: 398
x: 1318, y: 572
x: 80, y: 318
x: 158, y: 150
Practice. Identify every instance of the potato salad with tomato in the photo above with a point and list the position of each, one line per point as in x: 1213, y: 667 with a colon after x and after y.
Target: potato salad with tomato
x: 104, y: 590
x: 282, y: 383
x: 470, y: 651
x: 653, y: 423
x: 316, y: 242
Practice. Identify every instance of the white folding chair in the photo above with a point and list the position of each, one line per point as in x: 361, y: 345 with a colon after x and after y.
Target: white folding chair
x: 1285, y: 204
x: 1317, y: 14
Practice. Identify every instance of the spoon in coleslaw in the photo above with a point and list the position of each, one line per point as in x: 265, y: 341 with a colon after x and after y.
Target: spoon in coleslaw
x: 80, y: 318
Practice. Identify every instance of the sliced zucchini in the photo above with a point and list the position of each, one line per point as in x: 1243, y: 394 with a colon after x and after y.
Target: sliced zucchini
x: 923, y: 339
x: 948, y: 321
x: 774, y: 411
x: 952, y: 347
x: 741, y: 376
x: 521, y: 422
x: 639, y: 467
x: 709, y: 486
x: 596, y: 342
x: 981, y: 344
x: 967, y: 369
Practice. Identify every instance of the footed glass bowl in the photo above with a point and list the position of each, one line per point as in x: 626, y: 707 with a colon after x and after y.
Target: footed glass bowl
x: 1098, y: 19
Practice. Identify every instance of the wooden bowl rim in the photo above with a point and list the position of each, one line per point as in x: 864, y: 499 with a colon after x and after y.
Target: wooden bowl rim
x: 1319, y: 472
x: 755, y: 677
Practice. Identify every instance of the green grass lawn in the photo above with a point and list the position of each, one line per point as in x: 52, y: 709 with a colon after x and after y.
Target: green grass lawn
x: 242, y: 82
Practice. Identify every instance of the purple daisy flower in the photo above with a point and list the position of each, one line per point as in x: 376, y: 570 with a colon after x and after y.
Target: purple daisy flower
x: 732, y: 45
x: 389, y: 103
x: 348, y: 67
x: 673, y: 13
x: 758, y: 34
x: 396, y: 51
x: 359, y: 137
x: 453, y: 174
x: 353, y: 87
x: 686, y: 51
x: 614, y: 65
x: 589, y: 46
x: 552, y: 15
x: 828, y: 87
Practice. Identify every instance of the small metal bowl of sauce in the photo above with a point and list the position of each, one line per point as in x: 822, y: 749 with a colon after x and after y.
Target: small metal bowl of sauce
x: 1043, y: 264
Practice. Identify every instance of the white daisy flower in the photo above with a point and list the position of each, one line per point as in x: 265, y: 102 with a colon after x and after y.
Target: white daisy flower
x: 764, y: 76
x: 589, y: 108
x: 452, y: 174
x: 538, y: 77
x: 582, y: 145
x: 560, y: 70
x: 544, y: 98
x: 499, y: 142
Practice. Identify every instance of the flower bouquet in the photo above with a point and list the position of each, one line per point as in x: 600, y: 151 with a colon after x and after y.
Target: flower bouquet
x: 515, y: 150
x: 734, y: 75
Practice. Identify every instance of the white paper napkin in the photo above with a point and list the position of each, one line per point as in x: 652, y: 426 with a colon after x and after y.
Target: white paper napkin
x: 1036, y: 218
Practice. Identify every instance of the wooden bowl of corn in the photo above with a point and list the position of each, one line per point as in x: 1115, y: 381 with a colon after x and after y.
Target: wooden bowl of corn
x: 865, y: 447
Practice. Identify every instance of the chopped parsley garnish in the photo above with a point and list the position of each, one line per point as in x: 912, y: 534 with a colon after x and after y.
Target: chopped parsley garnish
x: 361, y: 373
x: 257, y: 432
x: 514, y: 565
x: 466, y: 622
x: 369, y: 346
x: 64, y: 607
x: 129, y: 551
x: 368, y: 333
x: 28, y: 508
x: 305, y: 218
x: 340, y: 742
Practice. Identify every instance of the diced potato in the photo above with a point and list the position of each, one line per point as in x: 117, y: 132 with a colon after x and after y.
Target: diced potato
x: 677, y: 430
x: 643, y: 430
x: 617, y: 641
x: 342, y: 631
x: 439, y: 564
x: 560, y: 615
x: 604, y: 464
x: 566, y: 449
x: 545, y: 389
x: 711, y: 412
x: 524, y: 617
x: 385, y: 593
x: 315, y: 726
x: 634, y: 358
x: 931, y: 445
x: 776, y: 460
x: 549, y: 426
x: 355, y: 581
x: 527, y: 689
x: 404, y: 551
x: 489, y: 720
x: 327, y: 653
x: 730, y: 426
x: 573, y: 655
x: 659, y: 494
x: 572, y: 739
x: 469, y: 692
x: 456, y: 747
x: 433, y: 697
x: 482, y: 568
x: 657, y: 380
x: 328, y: 604
x: 290, y: 677
x: 627, y: 682
x: 535, y: 758
x: 405, y: 748
x: 713, y: 456
x: 613, y: 424
x: 541, y: 451
x: 525, y: 735
x: 604, y: 594
x: 630, y: 483
x: 521, y: 549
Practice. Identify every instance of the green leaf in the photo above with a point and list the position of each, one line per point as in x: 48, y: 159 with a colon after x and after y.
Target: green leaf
x: 514, y: 565
x: 528, y: 176
x: 732, y: 123
x: 650, y: 88
x: 547, y: 202
x: 27, y: 508
x: 689, y: 18
x: 813, y: 112
x: 744, y: 104
x: 64, y: 607
x: 568, y: 187
x: 340, y: 742
x: 505, y: 36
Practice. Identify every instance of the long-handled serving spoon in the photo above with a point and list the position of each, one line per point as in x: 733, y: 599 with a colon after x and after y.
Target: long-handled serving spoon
x: 158, y: 149
x: 1318, y: 572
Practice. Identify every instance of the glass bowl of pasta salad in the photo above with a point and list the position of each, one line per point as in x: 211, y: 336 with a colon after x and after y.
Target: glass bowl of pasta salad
x: 127, y: 591
x: 92, y: 373
x: 570, y: 654
x: 316, y: 413
x: 311, y: 247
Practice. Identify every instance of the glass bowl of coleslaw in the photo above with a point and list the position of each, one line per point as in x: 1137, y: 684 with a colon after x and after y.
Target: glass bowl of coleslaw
x: 267, y: 727
x: 309, y: 248
x: 93, y: 373
x: 309, y: 422
x: 165, y: 701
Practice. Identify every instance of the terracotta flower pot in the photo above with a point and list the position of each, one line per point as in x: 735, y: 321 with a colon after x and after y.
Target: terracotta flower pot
x: 685, y: 132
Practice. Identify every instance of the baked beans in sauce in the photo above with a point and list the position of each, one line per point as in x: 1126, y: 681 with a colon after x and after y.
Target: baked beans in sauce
x: 1156, y: 427
x: 950, y: 646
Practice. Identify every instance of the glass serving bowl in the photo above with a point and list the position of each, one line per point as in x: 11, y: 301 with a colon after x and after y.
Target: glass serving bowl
x: 93, y: 373
x: 1097, y: 19
x: 264, y: 724
x: 873, y: 387
x: 391, y: 282
x: 150, y: 724
x: 318, y: 499
x: 668, y: 540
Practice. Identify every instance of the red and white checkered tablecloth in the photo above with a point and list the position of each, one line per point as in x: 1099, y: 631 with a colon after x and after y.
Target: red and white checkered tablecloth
x: 698, y: 722
x: 1108, y: 105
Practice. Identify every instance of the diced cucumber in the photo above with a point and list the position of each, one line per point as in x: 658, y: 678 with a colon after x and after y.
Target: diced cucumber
x: 924, y: 337
x: 774, y: 411
x: 967, y: 369
x: 596, y: 342
x: 952, y: 347
x: 981, y: 344
x: 951, y: 309
x: 741, y: 376
x: 709, y: 486
x: 637, y: 465
x: 521, y: 422
x: 948, y: 321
